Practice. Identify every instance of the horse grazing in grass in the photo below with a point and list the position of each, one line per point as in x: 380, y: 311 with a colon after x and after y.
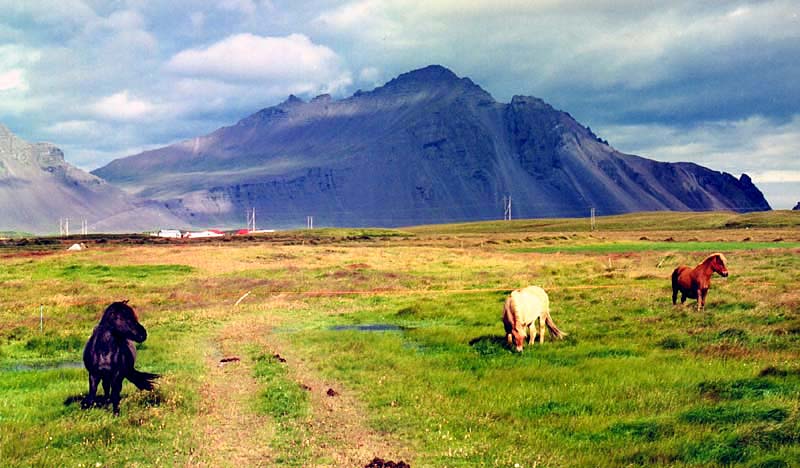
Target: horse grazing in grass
x: 694, y: 282
x: 522, y: 308
x: 110, y: 354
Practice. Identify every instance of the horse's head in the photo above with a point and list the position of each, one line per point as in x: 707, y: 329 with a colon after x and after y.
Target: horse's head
x: 718, y: 264
x: 519, y: 340
x: 123, y: 321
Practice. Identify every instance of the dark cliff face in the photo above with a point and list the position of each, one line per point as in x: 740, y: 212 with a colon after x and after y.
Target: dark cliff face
x: 427, y: 147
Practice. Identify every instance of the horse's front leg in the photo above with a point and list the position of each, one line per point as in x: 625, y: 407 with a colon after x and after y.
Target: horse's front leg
x: 700, y: 300
x: 704, y: 294
x: 116, y: 389
x: 89, y: 400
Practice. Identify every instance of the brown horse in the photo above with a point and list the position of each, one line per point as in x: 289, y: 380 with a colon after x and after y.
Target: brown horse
x: 110, y: 354
x: 694, y: 283
x: 522, y: 308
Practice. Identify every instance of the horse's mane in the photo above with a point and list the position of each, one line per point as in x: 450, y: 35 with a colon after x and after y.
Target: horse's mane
x: 717, y: 254
x: 124, y: 305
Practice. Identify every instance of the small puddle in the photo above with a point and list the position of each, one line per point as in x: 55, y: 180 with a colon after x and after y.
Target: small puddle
x: 41, y: 367
x: 368, y: 327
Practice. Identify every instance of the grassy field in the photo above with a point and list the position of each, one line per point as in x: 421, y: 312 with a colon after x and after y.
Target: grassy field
x: 355, y: 344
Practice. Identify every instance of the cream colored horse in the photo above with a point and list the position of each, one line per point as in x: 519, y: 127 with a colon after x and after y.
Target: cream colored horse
x: 522, y: 308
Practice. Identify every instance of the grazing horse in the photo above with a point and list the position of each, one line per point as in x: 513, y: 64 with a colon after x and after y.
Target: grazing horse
x: 694, y: 283
x: 522, y: 308
x: 110, y: 353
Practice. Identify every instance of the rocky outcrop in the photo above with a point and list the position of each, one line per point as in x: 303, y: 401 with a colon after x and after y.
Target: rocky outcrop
x: 38, y: 188
x: 427, y: 147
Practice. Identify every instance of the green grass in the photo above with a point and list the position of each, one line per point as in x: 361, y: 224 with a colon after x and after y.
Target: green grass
x: 288, y: 404
x: 352, y: 234
x: 645, y: 246
x: 637, y: 381
x: 41, y: 423
x: 625, y: 382
x: 660, y: 221
x: 14, y: 234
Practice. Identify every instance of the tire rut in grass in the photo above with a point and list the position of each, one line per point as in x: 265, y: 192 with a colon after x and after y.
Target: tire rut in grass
x: 339, y: 432
x: 230, y: 432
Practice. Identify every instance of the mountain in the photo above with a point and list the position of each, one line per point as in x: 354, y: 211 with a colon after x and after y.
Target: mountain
x: 37, y: 188
x: 426, y: 147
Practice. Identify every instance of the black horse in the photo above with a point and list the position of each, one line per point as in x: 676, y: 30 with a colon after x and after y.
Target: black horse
x: 110, y: 353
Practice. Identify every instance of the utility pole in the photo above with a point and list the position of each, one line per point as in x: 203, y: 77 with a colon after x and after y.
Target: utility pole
x: 84, y: 227
x: 507, y: 208
x: 251, y: 219
x: 309, y: 222
x: 594, y: 222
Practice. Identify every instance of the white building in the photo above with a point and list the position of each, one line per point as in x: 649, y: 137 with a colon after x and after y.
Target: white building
x: 171, y: 233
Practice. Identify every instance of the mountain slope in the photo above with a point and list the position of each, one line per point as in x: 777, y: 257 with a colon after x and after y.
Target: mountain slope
x: 37, y: 188
x: 427, y: 147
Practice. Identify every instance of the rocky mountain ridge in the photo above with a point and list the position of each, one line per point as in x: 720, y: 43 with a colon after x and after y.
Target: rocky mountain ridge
x: 426, y: 147
x: 38, y: 188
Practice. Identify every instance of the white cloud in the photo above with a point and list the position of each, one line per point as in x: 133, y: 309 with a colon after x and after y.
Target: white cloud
x: 54, y: 12
x: 247, y: 56
x: 12, y: 55
x: 246, y: 7
x: 562, y: 43
x: 122, y: 30
x: 766, y: 150
x: 351, y: 15
x: 13, y: 80
x: 74, y: 129
x: 14, y: 62
x: 291, y: 61
x: 776, y: 176
x: 120, y: 106
x: 369, y: 75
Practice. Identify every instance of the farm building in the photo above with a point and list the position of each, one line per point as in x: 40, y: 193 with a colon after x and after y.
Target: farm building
x: 202, y: 234
x: 171, y: 233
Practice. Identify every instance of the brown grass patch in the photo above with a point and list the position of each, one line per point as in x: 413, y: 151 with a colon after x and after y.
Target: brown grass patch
x: 726, y: 350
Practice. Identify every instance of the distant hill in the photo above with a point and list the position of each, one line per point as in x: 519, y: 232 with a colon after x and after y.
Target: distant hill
x: 426, y: 147
x: 37, y: 188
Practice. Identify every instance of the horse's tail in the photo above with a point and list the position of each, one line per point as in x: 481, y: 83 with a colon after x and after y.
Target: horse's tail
x: 553, y: 328
x: 143, y: 380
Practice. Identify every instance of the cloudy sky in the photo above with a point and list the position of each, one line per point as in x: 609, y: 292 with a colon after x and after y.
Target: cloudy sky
x: 717, y: 83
